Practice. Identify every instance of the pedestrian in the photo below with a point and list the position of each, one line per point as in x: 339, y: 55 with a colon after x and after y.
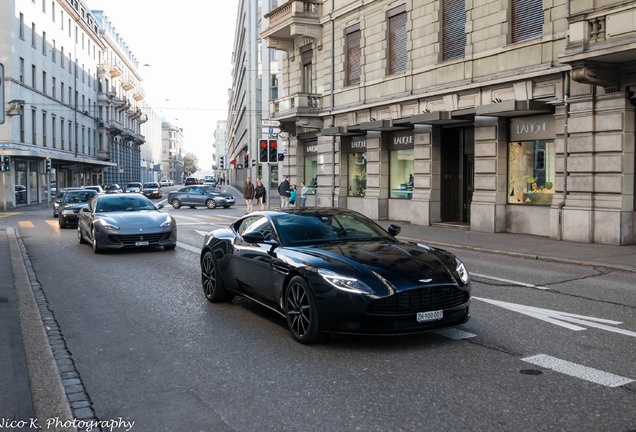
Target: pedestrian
x: 260, y: 193
x: 303, y: 194
x: 292, y: 195
x: 283, y: 191
x: 248, y: 194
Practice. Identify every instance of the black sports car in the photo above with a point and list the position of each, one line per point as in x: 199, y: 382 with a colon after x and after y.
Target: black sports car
x: 330, y: 270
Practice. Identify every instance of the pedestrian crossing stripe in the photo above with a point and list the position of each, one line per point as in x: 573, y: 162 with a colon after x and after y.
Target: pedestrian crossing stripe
x: 26, y: 224
x: 53, y: 223
x: 186, y: 217
x: 218, y: 218
x: 7, y: 214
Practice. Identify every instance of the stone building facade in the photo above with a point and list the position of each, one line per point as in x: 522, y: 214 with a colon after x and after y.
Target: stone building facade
x: 509, y: 116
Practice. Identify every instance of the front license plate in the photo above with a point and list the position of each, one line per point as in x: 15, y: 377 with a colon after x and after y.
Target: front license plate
x: 430, y: 316
x: 141, y: 243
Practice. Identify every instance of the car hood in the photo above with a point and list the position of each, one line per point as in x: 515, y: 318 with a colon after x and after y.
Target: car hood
x: 135, y: 220
x: 401, y: 264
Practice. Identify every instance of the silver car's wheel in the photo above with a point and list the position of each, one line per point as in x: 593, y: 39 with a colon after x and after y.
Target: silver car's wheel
x: 211, y: 204
x: 96, y: 248
x: 302, y: 312
x: 211, y: 280
x: 175, y: 203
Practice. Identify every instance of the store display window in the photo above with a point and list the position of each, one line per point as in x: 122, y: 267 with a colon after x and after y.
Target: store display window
x: 357, y: 163
x: 531, y: 172
x: 402, y: 165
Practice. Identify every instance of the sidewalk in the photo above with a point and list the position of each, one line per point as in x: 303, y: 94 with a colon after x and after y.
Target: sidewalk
x: 522, y: 245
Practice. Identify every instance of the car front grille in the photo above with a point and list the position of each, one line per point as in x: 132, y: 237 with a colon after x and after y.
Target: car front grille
x: 420, y: 300
x: 132, y: 239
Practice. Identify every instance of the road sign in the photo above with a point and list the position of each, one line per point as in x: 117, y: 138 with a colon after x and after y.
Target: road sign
x: 4, y: 145
x: 270, y: 123
x: 271, y: 130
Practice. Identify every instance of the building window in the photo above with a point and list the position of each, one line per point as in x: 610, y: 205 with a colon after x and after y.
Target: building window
x: 21, y: 126
x: 44, y: 43
x: 44, y: 137
x: 311, y: 173
x: 33, y: 77
x: 62, y: 133
x: 401, y: 165
x: 531, y: 172
x: 53, y: 88
x: 453, y: 29
x: 43, y: 82
x: 397, y: 40
x: 54, y: 131
x: 21, y: 70
x: 62, y: 57
x: 307, y: 55
x: 21, y: 26
x: 33, y: 126
x: 526, y: 20
x: 353, y: 55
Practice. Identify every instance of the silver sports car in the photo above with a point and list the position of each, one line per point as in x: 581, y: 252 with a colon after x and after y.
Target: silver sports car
x: 116, y: 221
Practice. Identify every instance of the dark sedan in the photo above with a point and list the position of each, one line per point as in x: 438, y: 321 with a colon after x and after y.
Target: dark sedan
x: 152, y: 190
x: 195, y: 195
x: 71, y: 203
x: 130, y: 221
x: 58, y: 197
x: 335, y: 271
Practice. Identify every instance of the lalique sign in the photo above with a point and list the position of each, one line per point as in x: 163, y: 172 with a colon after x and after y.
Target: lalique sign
x: 532, y: 128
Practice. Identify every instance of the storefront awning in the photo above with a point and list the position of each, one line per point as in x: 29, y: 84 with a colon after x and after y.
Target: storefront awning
x: 351, y: 130
x: 513, y: 108
x: 443, y: 117
x: 387, y: 125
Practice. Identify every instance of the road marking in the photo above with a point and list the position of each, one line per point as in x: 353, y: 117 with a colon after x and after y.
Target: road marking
x: 26, y: 224
x: 7, y: 214
x: 523, y: 284
x: 53, y: 223
x: 562, y: 319
x: 578, y: 371
x: 203, y: 233
x: 188, y: 247
x: 185, y: 217
x: 217, y: 218
x: 453, y: 333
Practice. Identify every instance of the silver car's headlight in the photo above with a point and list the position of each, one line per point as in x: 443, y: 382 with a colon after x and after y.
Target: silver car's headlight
x: 461, y: 271
x: 345, y: 283
x: 167, y: 223
x: 109, y: 227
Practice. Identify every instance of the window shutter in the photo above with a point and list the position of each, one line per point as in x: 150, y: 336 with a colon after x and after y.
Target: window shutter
x: 397, y: 43
x: 453, y: 29
x: 307, y: 55
x: 353, y: 57
x: 527, y: 20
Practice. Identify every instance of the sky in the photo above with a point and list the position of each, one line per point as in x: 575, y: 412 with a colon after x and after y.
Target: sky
x: 188, y: 47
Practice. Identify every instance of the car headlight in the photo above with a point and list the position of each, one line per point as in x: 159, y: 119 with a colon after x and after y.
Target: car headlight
x: 108, y: 227
x: 67, y: 212
x: 167, y: 223
x: 345, y: 283
x: 461, y: 271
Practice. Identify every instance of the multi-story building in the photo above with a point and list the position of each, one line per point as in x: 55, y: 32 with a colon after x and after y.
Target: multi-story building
x: 220, y: 149
x: 50, y: 54
x: 172, y: 151
x: 119, y: 104
x: 151, y: 164
x: 510, y: 116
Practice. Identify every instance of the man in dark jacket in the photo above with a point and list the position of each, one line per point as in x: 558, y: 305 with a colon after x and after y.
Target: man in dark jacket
x: 283, y: 191
x: 248, y: 194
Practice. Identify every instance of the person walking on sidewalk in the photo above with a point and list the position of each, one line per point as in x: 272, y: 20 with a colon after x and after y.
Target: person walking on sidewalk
x: 283, y: 191
x: 248, y: 194
x: 303, y: 194
x: 260, y: 193
x: 292, y: 195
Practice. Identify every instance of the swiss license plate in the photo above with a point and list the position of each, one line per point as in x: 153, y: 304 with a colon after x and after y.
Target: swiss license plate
x: 141, y: 243
x: 430, y: 316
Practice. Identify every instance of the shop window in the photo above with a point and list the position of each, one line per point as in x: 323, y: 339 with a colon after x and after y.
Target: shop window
x: 357, y: 174
x: 531, y: 172
x: 311, y: 173
x: 401, y: 178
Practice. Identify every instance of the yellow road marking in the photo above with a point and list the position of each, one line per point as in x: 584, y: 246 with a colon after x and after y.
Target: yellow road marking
x: 26, y: 224
x: 8, y: 214
x: 185, y: 217
x: 53, y: 223
x: 219, y: 218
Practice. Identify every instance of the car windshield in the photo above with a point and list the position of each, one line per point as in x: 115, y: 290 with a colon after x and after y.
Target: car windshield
x: 298, y: 229
x: 123, y: 203
x: 150, y: 185
x: 78, y: 197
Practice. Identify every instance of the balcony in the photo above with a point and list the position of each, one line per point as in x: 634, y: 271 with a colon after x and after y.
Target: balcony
x: 291, y: 20
x: 114, y: 70
x: 103, y: 155
x: 139, y: 94
x: 127, y: 84
x: 600, y: 41
x: 295, y: 106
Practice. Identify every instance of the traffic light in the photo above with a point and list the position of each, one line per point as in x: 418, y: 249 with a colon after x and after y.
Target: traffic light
x: 253, y: 162
x: 263, y: 148
x: 48, y: 164
x: 247, y: 161
x: 222, y: 162
x: 4, y: 163
x: 273, y: 151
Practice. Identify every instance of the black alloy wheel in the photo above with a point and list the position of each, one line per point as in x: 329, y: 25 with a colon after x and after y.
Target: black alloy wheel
x: 211, y: 280
x: 175, y: 203
x: 302, y: 312
x: 211, y: 204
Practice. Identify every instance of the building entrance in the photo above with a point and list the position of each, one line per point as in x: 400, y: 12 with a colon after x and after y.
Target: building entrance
x: 457, y: 174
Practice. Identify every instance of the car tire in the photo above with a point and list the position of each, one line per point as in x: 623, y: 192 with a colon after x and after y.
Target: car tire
x: 61, y: 222
x: 96, y: 248
x: 80, y: 238
x: 301, y: 312
x: 226, y: 206
x: 211, y: 282
x: 175, y: 203
x: 170, y: 247
x: 211, y: 204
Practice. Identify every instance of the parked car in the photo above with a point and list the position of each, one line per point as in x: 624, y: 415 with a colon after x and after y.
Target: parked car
x: 209, y: 182
x: 152, y: 190
x: 117, y: 221
x: 191, y: 181
x: 58, y: 197
x: 193, y: 196
x: 134, y: 187
x: 329, y: 270
x: 165, y: 182
x: 70, y: 205
x: 113, y: 188
x: 96, y: 188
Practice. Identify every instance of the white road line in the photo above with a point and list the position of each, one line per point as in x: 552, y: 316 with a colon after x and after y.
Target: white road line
x: 188, y: 247
x: 523, y: 284
x: 453, y: 333
x: 578, y: 371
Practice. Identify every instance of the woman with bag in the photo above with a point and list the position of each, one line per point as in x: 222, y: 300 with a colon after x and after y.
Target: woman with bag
x: 260, y: 194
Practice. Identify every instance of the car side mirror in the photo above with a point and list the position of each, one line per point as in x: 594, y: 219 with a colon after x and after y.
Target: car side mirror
x: 394, y: 229
x: 159, y: 206
x: 86, y: 210
x: 253, y: 237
